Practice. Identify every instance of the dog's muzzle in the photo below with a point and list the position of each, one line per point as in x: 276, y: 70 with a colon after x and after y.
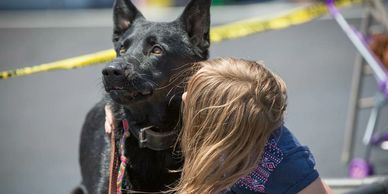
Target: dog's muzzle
x: 122, y: 83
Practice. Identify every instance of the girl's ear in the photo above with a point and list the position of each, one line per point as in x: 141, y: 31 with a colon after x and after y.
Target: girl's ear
x: 184, y: 97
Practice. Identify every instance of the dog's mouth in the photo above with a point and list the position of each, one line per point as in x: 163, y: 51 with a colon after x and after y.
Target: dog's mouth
x: 125, y: 95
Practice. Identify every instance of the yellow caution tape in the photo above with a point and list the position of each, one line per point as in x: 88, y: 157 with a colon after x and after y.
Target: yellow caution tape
x: 251, y: 26
x: 220, y: 33
x: 70, y: 63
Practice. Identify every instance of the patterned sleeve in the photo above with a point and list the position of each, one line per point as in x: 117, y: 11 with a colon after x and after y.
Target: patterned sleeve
x: 294, y: 173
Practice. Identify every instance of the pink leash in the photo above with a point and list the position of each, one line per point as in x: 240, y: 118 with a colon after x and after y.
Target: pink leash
x: 123, y: 159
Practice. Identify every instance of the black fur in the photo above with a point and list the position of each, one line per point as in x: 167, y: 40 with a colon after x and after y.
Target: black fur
x: 138, y: 86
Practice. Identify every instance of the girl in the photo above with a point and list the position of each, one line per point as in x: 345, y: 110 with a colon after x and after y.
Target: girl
x: 233, y: 139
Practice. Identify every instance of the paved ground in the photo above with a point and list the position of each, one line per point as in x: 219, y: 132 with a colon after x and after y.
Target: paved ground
x: 41, y: 115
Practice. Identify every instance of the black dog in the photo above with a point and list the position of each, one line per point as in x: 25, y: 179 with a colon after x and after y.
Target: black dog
x: 140, y: 88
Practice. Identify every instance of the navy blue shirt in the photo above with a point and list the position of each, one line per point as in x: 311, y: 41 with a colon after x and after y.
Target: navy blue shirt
x: 286, y: 167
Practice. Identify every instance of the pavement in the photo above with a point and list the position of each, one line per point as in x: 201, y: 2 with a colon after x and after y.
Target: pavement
x: 42, y: 114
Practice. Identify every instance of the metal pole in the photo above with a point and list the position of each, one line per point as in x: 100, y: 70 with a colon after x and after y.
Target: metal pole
x: 350, y: 127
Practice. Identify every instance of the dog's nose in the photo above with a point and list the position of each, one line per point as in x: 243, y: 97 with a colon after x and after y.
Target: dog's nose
x: 112, y: 72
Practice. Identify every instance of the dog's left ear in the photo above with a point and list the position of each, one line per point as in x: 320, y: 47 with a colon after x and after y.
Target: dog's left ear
x: 196, y: 21
x: 124, y: 14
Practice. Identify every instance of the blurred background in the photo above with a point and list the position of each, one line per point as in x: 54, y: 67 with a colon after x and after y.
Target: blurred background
x: 42, y: 114
x: 87, y: 4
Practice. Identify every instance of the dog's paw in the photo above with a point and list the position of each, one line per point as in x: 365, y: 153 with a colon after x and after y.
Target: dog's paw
x: 78, y: 190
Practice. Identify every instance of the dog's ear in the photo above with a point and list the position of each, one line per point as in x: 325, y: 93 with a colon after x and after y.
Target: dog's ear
x: 196, y: 21
x: 124, y: 14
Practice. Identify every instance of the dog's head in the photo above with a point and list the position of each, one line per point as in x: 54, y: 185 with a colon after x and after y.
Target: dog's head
x: 149, y: 53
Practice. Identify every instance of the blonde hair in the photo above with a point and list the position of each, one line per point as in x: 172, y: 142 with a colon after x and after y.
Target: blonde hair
x: 232, y: 107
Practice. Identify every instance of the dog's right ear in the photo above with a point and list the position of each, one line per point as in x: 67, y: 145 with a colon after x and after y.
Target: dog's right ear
x: 124, y: 14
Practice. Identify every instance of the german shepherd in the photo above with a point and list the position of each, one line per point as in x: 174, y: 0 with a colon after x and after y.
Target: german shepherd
x: 140, y: 90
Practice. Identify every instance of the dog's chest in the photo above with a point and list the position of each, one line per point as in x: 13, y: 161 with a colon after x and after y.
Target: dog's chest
x: 149, y: 170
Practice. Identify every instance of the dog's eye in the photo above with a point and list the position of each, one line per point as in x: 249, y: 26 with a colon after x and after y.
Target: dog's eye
x: 156, y: 50
x: 122, y: 50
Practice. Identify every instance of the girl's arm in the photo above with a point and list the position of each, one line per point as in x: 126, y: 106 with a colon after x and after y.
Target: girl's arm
x: 317, y: 187
x: 109, y: 120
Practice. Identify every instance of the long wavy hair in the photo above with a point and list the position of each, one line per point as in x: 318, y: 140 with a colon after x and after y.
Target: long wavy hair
x: 232, y: 107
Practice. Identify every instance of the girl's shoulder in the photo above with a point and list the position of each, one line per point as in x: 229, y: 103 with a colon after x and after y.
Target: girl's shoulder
x: 283, y: 139
x: 286, y: 167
